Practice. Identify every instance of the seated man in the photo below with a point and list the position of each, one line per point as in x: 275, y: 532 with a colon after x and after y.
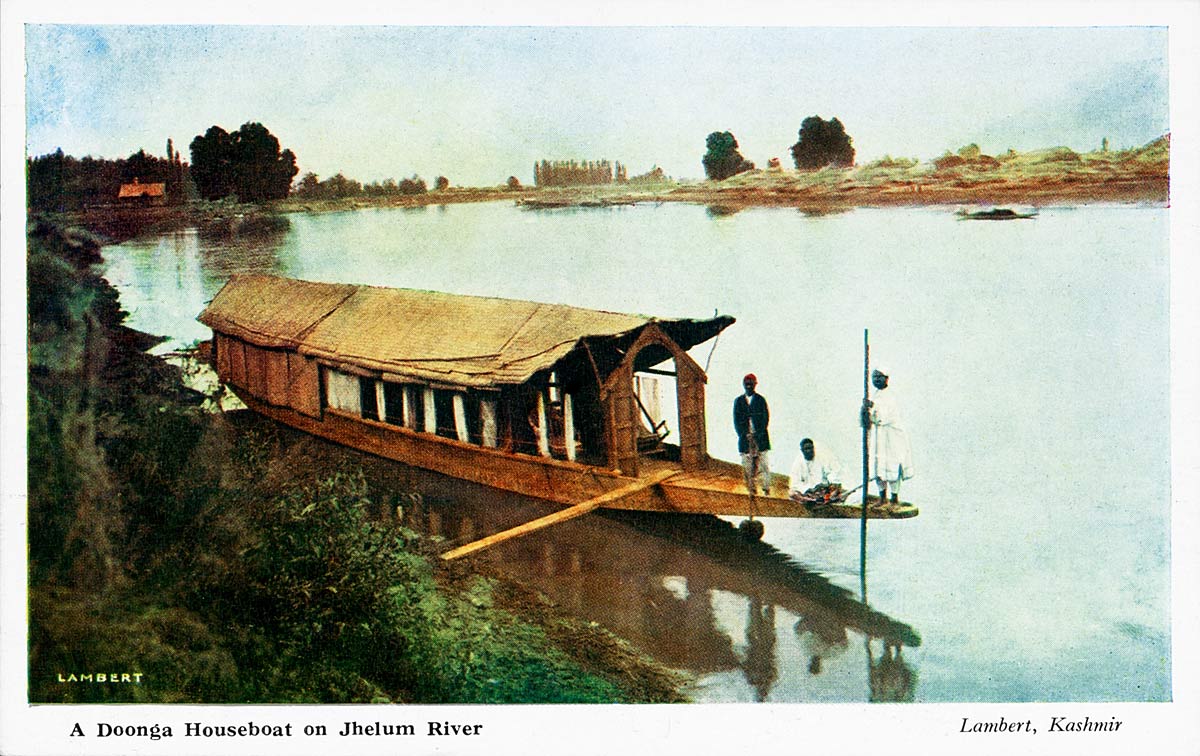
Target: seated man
x: 816, y: 476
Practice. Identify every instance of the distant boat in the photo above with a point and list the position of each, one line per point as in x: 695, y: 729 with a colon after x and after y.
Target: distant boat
x: 552, y: 204
x: 996, y: 213
x: 546, y: 204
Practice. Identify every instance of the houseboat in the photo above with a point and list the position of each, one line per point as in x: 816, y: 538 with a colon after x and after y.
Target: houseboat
x: 545, y: 400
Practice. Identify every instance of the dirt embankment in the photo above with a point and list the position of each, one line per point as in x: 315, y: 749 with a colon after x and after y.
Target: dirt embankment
x: 1056, y: 176
x: 595, y: 649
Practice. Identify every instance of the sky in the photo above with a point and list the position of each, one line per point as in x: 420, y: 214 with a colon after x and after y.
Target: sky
x: 478, y: 104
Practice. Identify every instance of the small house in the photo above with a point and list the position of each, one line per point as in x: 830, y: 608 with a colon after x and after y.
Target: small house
x: 138, y: 194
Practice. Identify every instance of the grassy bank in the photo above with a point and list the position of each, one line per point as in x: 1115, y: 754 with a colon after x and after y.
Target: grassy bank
x: 174, y: 543
x: 1052, y: 176
x: 1057, y: 176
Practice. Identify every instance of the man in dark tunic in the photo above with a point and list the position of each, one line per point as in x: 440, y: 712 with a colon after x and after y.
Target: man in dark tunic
x: 750, y: 420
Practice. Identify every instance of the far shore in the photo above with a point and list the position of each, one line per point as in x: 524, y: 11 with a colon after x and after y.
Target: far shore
x: 1047, y: 178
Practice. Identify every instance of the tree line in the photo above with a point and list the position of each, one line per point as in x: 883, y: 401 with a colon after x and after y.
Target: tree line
x: 573, y: 173
x: 60, y: 183
x: 339, y: 186
x: 247, y: 164
x: 820, y: 144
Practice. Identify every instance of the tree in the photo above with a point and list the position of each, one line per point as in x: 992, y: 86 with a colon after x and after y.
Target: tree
x: 247, y: 163
x: 142, y: 167
x: 414, y: 185
x: 309, y: 186
x: 261, y: 171
x: 822, y: 143
x: 212, y: 163
x: 441, y: 184
x: 723, y: 159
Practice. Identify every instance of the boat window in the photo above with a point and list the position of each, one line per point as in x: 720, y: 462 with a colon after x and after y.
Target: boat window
x: 393, y: 403
x: 342, y: 391
x: 368, y: 399
x: 414, y: 408
x: 443, y: 402
x: 521, y: 409
x: 473, y: 419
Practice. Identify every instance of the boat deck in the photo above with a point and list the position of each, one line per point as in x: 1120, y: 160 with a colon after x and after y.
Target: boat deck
x: 720, y: 489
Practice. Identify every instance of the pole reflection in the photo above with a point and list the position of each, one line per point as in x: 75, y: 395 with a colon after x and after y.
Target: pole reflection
x: 891, y: 680
x: 652, y: 579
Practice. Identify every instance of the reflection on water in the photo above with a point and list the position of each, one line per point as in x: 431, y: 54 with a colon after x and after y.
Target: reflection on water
x: 760, y: 668
x: 891, y: 678
x: 993, y: 331
x: 721, y: 211
x: 164, y: 279
x: 746, y: 620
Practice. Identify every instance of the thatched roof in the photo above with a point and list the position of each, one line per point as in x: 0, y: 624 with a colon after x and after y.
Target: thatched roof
x: 423, y: 335
x: 142, y: 190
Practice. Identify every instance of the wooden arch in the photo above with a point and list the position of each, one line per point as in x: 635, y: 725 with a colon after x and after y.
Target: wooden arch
x: 621, y: 408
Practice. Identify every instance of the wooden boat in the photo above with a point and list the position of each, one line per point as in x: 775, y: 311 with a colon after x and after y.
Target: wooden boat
x: 543, y: 400
x: 996, y: 213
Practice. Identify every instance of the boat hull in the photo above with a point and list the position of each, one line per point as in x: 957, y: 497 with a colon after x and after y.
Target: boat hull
x: 717, y: 489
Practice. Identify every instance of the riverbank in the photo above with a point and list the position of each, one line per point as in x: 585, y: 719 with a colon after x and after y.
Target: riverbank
x: 224, y: 564
x: 1057, y: 176
x: 1040, y: 178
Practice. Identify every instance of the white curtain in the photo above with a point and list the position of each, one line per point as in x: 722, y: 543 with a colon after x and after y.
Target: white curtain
x: 487, y: 416
x: 430, y: 411
x: 543, y: 427
x: 569, y: 426
x: 410, y: 403
x: 648, y: 391
x: 460, y: 419
x: 342, y: 391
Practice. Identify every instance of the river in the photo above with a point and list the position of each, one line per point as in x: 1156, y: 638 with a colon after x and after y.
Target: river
x: 1031, y: 362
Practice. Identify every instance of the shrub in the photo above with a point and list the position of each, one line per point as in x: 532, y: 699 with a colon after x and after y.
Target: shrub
x: 722, y: 159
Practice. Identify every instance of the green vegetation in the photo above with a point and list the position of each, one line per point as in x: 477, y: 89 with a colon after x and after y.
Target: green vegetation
x: 723, y: 159
x: 822, y: 143
x: 170, y: 542
x: 62, y: 183
x: 573, y: 173
x: 311, y: 187
x: 247, y: 164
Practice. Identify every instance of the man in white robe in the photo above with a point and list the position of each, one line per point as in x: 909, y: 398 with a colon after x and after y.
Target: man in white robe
x: 813, y: 468
x: 887, y: 442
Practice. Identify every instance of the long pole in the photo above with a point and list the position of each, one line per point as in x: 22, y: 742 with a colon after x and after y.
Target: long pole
x: 865, y: 422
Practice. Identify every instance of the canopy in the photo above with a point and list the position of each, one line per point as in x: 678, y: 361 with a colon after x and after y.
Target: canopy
x: 423, y: 335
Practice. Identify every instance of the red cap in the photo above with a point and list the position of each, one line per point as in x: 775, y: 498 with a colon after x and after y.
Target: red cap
x: 750, y: 377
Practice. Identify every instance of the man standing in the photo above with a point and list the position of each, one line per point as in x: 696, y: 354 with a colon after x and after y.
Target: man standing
x: 891, y: 454
x: 816, y: 475
x: 750, y: 419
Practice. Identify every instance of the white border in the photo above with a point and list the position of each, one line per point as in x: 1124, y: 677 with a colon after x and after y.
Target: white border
x: 927, y: 729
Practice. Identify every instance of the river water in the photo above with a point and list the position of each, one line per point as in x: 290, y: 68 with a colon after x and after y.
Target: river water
x: 1031, y: 362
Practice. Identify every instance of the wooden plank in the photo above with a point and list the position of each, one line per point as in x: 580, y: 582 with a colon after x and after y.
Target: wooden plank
x: 563, y: 515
